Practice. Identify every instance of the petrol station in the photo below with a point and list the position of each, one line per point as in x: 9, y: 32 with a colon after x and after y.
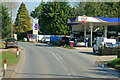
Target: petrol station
x: 91, y: 24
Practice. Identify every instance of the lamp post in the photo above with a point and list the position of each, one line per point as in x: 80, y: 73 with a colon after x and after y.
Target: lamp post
x: 11, y: 24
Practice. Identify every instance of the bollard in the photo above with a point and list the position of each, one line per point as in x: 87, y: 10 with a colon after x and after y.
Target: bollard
x: 17, y: 52
x: 5, y: 66
x: 118, y: 53
x: 71, y: 43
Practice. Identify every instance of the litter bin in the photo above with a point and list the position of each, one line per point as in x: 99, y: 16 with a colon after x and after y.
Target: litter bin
x: 118, y: 53
x: 71, y: 43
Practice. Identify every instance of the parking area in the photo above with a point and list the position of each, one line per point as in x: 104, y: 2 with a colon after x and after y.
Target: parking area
x: 89, y: 51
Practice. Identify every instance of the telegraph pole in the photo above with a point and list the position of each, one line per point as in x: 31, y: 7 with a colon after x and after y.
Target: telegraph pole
x: 19, y: 23
x: 11, y: 25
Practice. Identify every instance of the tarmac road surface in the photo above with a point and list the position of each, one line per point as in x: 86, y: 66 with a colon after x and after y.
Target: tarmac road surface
x: 45, y: 61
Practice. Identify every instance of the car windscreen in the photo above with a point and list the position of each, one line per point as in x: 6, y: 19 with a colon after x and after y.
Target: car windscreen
x: 10, y: 40
x: 47, y: 38
x: 65, y: 38
x: 109, y: 44
x: 81, y: 40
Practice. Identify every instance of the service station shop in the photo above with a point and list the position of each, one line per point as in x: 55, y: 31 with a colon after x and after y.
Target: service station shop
x: 83, y: 26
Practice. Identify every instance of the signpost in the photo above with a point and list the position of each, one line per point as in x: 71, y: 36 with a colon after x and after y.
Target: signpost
x: 35, y: 27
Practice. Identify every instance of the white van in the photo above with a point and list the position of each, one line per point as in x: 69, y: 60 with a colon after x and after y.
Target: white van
x: 100, y: 42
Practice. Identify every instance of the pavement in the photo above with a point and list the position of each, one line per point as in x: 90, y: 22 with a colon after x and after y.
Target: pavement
x: 89, y: 52
x: 45, y: 61
x: 1, y: 74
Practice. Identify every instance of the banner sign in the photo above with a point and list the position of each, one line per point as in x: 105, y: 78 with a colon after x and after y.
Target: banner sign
x: 35, y: 31
x: 35, y: 26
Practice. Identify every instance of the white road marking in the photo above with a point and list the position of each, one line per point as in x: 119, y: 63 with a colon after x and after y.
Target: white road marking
x: 65, y: 69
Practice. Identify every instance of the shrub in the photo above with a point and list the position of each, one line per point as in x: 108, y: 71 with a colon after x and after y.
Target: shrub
x: 115, y: 62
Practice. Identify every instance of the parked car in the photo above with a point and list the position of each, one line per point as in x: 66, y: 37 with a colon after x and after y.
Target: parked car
x: 47, y: 39
x: 62, y: 41
x: 11, y: 42
x: 79, y: 42
x: 42, y: 40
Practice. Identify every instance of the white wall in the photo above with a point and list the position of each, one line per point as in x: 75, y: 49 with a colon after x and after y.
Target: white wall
x: 77, y: 28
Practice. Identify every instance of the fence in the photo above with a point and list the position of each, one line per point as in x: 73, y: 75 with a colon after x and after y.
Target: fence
x: 109, y: 51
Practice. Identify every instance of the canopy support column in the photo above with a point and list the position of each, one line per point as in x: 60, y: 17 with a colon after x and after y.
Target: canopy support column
x: 105, y: 33
x: 91, y: 30
x: 84, y: 31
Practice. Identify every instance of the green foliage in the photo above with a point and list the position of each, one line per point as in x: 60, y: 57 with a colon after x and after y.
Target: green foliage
x: 6, y: 21
x: 68, y: 47
x: 11, y: 58
x: 23, y: 20
x: 53, y: 17
x: 115, y: 62
x: 99, y: 9
x: 101, y: 28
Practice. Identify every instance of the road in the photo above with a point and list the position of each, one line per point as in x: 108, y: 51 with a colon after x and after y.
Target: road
x: 45, y: 61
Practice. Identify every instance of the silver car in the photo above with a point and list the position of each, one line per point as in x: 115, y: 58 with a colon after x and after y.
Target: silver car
x: 79, y: 43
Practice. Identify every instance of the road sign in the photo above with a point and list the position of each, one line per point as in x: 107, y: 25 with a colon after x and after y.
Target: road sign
x: 35, y: 26
x: 35, y: 32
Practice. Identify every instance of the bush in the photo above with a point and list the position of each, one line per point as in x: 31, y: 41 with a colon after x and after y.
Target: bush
x: 67, y: 46
x: 115, y: 62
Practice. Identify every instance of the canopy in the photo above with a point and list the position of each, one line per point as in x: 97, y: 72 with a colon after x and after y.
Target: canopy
x: 96, y: 20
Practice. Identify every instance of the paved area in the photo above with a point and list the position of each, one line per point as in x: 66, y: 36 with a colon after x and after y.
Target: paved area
x: 44, y: 61
x: 89, y: 52
x: 1, y: 73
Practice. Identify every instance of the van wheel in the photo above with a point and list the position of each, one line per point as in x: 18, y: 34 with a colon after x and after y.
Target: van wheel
x: 94, y: 50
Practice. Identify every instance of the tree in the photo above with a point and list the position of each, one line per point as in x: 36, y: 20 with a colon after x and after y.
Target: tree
x: 6, y: 21
x: 99, y: 9
x: 23, y: 20
x: 53, y: 17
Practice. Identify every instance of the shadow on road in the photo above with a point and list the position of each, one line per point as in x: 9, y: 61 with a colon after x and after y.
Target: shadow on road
x: 53, y: 75
x: 45, y: 45
x: 89, y: 53
x: 105, y: 72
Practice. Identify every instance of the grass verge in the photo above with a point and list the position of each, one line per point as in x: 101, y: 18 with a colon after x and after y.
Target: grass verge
x: 115, y: 63
x: 0, y: 44
x: 68, y: 47
x: 11, y: 58
x: 26, y: 41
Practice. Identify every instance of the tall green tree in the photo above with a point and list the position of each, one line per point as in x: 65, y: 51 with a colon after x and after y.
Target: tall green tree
x: 53, y: 17
x: 23, y: 20
x: 6, y: 21
x: 99, y: 9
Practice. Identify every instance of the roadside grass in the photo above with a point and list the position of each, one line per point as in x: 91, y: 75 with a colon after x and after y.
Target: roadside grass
x: 68, y: 47
x: 22, y: 41
x: 26, y: 41
x: 65, y: 46
x: 0, y: 44
x: 115, y: 63
x: 11, y: 58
